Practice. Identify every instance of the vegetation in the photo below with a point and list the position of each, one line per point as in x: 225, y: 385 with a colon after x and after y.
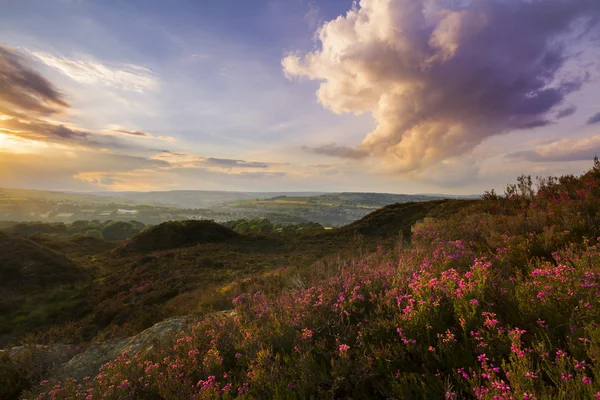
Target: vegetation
x: 490, y: 299
x: 262, y: 225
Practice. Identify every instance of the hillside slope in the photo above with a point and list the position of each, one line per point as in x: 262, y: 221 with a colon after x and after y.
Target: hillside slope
x: 176, y: 234
x: 387, y: 222
x: 24, y: 262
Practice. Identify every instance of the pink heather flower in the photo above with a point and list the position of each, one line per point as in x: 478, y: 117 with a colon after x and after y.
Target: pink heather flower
x: 124, y: 384
x: 306, y: 333
x: 586, y: 380
x: 238, y: 355
x: 344, y: 348
x: 597, y: 395
x: 566, y: 377
x: 474, y: 302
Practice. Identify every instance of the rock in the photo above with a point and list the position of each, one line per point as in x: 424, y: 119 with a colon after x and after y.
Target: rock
x: 88, y: 362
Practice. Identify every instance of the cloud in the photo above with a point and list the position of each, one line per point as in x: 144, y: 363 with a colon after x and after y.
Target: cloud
x: 594, y: 119
x: 583, y: 149
x: 566, y: 112
x: 335, y: 150
x: 132, y: 133
x: 29, y: 101
x: 86, y: 70
x: 43, y: 131
x: 262, y: 175
x: 440, y: 76
x: 58, y: 169
x: 313, y: 15
x: 185, y: 160
x: 24, y: 91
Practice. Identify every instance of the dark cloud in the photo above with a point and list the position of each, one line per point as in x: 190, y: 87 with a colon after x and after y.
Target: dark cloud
x: 132, y: 133
x: 24, y: 91
x: 594, y: 119
x: 335, y: 150
x: 441, y: 76
x: 567, y: 112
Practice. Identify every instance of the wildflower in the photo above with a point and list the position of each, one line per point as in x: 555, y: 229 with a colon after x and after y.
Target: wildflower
x: 586, y: 380
x: 306, y: 333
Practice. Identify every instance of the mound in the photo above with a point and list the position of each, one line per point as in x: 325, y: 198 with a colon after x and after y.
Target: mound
x: 23, y: 261
x: 175, y: 234
x: 388, y: 222
x: 76, y: 245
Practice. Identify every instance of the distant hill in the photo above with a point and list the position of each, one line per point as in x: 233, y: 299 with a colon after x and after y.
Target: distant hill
x: 195, y: 198
x: 212, y: 199
x: 29, y: 194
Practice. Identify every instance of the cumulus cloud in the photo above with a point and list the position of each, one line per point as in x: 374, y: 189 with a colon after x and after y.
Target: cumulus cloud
x: 594, y: 119
x: 582, y: 149
x: 440, y: 76
x: 87, y: 70
x: 24, y: 91
x: 335, y: 150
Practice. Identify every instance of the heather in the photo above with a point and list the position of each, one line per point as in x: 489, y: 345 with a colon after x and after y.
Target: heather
x: 499, y: 300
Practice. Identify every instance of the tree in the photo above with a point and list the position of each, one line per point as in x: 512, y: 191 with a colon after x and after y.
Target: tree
x: 118, y: 230
x: 95, y: 233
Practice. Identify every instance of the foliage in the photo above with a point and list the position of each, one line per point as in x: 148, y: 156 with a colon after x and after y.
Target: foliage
x: 497, y: 299
x: 263, y: 225
x: 119, y: 230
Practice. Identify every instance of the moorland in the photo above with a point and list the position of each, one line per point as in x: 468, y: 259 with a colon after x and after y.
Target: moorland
x: 495, y: 298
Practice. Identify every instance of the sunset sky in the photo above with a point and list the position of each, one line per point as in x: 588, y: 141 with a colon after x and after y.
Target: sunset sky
x: 404, y: 96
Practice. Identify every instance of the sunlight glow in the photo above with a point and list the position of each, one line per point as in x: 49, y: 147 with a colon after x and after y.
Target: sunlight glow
x: 8, y: 143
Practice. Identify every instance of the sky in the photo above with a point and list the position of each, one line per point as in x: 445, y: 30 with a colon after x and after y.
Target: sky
x: 398, y: 96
